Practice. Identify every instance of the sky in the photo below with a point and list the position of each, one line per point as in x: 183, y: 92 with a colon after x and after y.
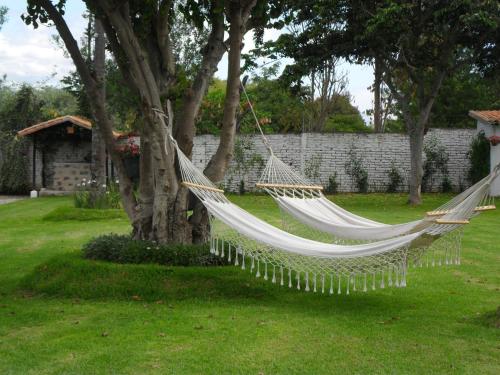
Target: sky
x: 29, y: 55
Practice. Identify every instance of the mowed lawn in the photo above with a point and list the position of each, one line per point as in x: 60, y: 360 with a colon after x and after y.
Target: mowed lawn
x: 60, y: 314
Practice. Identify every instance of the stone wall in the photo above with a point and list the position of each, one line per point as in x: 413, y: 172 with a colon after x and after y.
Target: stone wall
x: 321, y: 155
x: 68, y: 175
x: 65, y: 163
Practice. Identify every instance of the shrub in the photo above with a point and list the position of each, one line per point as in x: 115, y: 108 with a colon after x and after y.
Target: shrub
x: 479, y: 157
x: 333, y: 185
x: 395, y: 179
x: 92, y: 196
x: 354, y: 168
x: 13, y: 169
x: 446, y: 186
x: 123, y: 249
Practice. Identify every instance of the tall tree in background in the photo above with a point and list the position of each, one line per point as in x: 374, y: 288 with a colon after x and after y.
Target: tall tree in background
x: 377, y: 97
x: 419, y: 43
x: 416, y: 44
x: 139, y: 37
x: 98, y: 167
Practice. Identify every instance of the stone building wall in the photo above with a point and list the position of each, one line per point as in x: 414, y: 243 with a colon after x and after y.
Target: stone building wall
x: 65, y: 164
x: 323, y: 155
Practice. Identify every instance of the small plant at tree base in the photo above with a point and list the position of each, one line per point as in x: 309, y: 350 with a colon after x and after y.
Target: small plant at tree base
x: 354, y: 168
x: 333, y: 185
x: 436, y: 160
x: 395, y: 179
x: 479, y: 158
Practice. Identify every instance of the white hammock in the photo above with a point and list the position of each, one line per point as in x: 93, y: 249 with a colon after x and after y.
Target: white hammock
x: 305, y: 202
x: 243, y: 238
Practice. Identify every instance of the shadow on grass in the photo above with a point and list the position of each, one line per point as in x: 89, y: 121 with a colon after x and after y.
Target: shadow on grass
x: 70, y: 276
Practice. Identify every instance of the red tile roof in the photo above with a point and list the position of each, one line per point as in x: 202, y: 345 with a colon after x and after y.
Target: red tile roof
x: 75, y: 120
x: 491, y: 117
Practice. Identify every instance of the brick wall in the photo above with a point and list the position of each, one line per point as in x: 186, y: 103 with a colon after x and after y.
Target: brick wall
x: 329, y: 153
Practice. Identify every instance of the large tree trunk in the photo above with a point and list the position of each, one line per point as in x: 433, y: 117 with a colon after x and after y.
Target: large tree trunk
x: 98, y: 165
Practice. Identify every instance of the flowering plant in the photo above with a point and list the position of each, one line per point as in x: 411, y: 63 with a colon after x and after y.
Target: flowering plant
x: 130, y: 148
x: 91, y: 195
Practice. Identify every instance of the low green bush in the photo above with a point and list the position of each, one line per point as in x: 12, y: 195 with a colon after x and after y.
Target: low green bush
x: 333, y: 185
x: 123, y: 249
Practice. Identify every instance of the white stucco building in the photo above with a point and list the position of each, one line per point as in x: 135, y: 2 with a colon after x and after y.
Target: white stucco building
x: 489, y: 123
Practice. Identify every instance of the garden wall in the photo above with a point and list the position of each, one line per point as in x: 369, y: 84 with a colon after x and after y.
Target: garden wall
x: 321, y: 155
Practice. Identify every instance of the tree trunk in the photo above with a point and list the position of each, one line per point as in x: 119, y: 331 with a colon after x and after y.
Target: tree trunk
x: 144, y: 225
x: 377, y: 104
x: 416, y: 134
x: 98, y: 165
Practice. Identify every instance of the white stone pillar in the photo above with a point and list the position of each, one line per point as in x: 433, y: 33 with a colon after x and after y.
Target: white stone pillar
x: 492, y: 131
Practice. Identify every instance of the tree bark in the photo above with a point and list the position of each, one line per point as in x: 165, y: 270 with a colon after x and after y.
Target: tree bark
x: 416, y: 135
x: 98, y: 165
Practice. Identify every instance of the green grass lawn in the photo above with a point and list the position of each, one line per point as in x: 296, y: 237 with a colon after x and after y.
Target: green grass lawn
x: 62, y: 314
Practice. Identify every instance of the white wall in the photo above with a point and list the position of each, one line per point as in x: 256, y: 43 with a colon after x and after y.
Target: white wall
x: 331, y: 151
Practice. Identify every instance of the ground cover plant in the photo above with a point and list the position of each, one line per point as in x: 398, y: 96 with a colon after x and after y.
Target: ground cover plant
x: 61, y: 313
x: 123, y: 249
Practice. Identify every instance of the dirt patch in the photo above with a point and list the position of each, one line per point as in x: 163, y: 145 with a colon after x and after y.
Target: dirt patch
x: 4, y: 199
x: 491, y: 319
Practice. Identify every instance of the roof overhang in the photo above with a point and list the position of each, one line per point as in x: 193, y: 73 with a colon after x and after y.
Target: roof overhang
x: 74, y: 120
x: 488, y: 117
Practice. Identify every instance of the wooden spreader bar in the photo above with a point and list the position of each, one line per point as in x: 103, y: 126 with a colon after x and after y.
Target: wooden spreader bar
x: 445, y: 221
x: 197, y: 186
x: 286, y: 186
x: 477, y: 209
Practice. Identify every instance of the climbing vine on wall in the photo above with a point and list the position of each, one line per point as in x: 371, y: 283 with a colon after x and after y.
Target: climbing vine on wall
x: 244, y: 159
x: 436, y: 161
x: 355, y: 169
